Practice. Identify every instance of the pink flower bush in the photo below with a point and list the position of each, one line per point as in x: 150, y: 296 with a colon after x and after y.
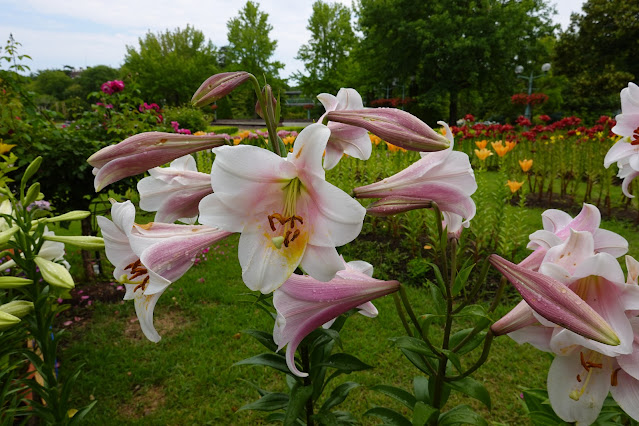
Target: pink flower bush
x: 111, y: 87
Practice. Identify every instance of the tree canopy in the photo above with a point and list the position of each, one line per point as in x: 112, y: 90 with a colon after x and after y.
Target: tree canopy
x: 598, y: 52
x: 326, y: 57
x: 171, y: 65
x: 447, y: 47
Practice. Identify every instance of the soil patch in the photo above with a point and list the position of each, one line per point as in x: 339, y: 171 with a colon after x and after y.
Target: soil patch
x: 84, y: 297
x: 145, y: 402
x: 166, y: 323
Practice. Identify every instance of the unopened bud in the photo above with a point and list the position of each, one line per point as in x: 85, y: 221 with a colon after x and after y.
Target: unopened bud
x: 13, y: 282
x: 7, y: 320
x: 72, y: 215
x: 32, y: 194
x: 54, y: 273
x: 84, y: 242
x: 217, y: 86
x: 17, y: 308
x: 394, y: 126
x: 397, y: 204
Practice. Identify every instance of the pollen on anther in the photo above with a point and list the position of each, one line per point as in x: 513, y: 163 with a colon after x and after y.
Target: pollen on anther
x: 578, y: 378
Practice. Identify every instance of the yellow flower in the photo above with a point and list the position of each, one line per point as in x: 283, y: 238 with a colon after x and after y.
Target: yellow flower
x: 525, y: 164
x: 483, y: 153
x: 199, y: 133
x: 289, y: 140
x: 237, y: 141
x: 499, y: 148
x: 481, y: 144
x: 514, y: 185
x: 5, y: 147
x: 244, y: 135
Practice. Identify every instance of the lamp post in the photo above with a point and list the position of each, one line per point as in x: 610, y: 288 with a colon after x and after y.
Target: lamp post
x: 518, y: 70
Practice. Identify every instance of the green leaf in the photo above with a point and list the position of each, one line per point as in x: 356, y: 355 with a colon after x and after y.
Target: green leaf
x: 414, y: 345
x: 299, y: 396
x: 388, y: 416
x: 462, y: 414
x: 471, y: 344
x: 398, y: 394
x: 420, y: 387
x: 423, y: 413
x: 438, y: 299
x: 417, y: 360
x: 269, y: 402
x: 473, y: 388
x: 345, y: 362
x: 266, y: 339
x: 461, y: 279
x: 474, y: 311
x: 542, y: 418
x: 338, y: 395
x: 453, y: 358
x: 276, y: 361
x: 438, y: 276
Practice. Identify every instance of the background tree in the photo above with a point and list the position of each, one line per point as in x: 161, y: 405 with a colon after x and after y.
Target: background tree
x: 170, y: 66
x: 598, y: 54
x: 53, y: 83
x: 250, y: 49
x: 326, y: 57
x: 445, y: 49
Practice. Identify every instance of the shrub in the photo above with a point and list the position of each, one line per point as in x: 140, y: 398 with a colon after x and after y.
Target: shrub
x: 189, y: 118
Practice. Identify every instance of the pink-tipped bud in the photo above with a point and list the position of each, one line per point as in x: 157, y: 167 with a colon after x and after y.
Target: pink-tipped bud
x: 217, y: 86
x: 145, y: 151
x: 397, y: 204
x: 556, y: 302
x: 394, y: 126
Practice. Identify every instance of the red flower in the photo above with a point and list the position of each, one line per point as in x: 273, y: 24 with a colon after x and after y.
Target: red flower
x: 545, y: 118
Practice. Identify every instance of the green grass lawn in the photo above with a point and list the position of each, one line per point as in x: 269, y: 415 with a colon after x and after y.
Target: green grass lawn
x: 189, y: 377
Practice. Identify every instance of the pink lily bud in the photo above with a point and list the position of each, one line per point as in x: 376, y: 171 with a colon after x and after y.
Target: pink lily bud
x: 397, y: 204
x: 144, y: 151
x: 519, y: 317
x: 555, y: 302
x: 394, y: 126
x: 217, y: 86
x: 304, y: 304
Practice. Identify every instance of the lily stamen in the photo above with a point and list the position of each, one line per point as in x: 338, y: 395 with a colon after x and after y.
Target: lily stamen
x: 286, y: 240
x: 587, y: 365
x: 613, y: 377
x: 142, y: 285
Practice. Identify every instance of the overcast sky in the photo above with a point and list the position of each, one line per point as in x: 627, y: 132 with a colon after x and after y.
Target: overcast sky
x: 84, y: 33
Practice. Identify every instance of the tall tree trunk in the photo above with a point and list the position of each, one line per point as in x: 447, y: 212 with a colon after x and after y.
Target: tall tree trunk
x: 452, y: 109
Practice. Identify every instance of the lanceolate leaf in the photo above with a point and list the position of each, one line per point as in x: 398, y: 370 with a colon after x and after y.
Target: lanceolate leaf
x: 398, y: 394
x: 388, y: 416
x: 338, y: 395
x: 472, y: 388
x: 345, y: 362
x: 462, y: 414
x: 269, y: 402
x: 423, y: 414
x: 275, y: 361
x: 266, y: 339
x: 299, y: 396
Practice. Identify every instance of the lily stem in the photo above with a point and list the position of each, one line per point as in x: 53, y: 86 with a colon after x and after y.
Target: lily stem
x: 306, y: 363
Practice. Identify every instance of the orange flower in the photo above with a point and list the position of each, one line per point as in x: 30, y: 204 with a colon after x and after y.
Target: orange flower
x: 374, y: 139
x: 514, y: 185
x: 481, y: 144
x: 394, y: 148
x: 245, y: 134
x: 510, y: 145
x: 483, y: 153
x: 236, y: 141
x: 199, y: 133
x: 525, y: 164
x: 499, y: 148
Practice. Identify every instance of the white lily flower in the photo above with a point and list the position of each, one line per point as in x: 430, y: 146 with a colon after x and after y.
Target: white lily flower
x: 174, y: 192
x: 288, y: 214
x: 148, y: 258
